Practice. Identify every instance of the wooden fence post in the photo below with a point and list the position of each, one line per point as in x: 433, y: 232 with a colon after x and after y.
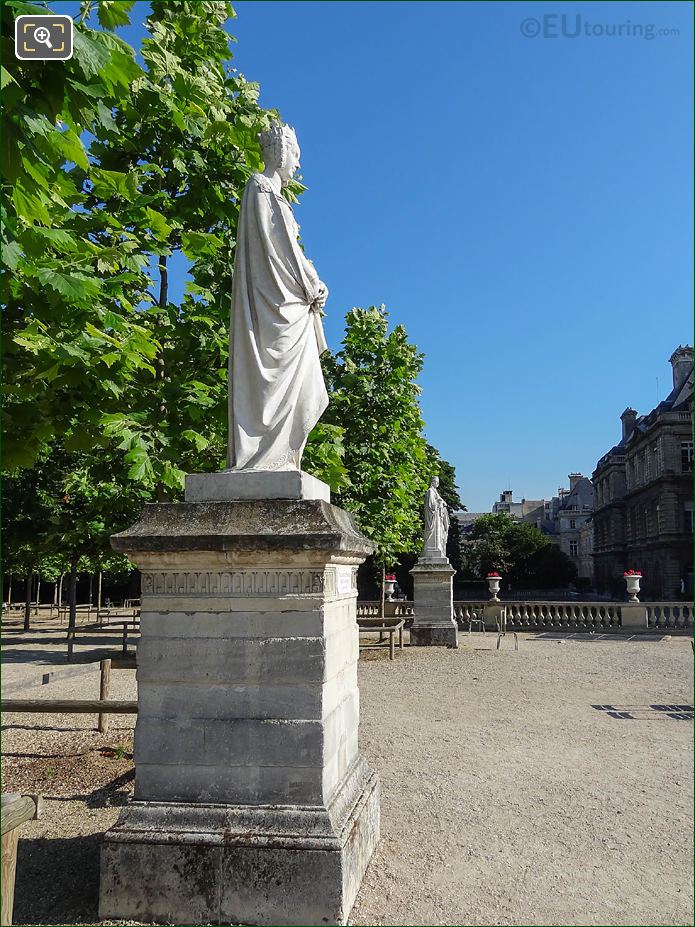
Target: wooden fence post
x: 16, y: 809
x: 104, y: 685
x: 99, y: 593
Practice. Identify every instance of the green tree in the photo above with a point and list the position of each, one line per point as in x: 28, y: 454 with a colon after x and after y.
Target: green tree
x: 72, y: 337
x: 172, y: 167
x: 60, y: 513
x: 374, y: 400
x: 519, y: 551
x: 550, y: 568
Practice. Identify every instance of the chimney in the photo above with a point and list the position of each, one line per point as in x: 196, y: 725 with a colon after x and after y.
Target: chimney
x: 682, y: 363
x: 574, y: 478
x: 628, y: 418
x: 506, y: 496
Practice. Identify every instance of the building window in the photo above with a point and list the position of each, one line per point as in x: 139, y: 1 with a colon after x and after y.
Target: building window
x: 656, y: 458
x: 574, y: 548
x: 686, y: 456
x: 689, y: 517
x: 573, y: 522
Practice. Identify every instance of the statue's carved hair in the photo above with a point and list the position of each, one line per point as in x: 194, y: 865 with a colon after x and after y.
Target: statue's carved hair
x: 275, y: 141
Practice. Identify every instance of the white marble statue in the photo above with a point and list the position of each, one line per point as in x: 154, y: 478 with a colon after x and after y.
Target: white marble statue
x: 276, y: 387
x: 436, y: 522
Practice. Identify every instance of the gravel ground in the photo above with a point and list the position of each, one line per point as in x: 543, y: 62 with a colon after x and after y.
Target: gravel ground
x: 507, y: 797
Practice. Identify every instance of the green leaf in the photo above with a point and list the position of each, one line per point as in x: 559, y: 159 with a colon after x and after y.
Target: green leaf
x: 5, y: 78
x: 141, y: 465
x: 114, y: 13
x: 89, y: 53
x: 106, y: 117
x: 173, y: 477
x: 75, y: 287
x: 69, y: 144
x: 31, y: 207
x: 11, y: 253
x: 195, y: 438
x: 158, y: 224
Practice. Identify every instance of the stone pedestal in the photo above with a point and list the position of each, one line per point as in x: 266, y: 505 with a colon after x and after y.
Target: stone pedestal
x: 433, y: 604
x: 493, y: 616
x: 633, y: 617
x: 252, y: 804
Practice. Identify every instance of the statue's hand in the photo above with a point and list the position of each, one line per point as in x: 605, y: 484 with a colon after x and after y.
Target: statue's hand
x: 322, y: 298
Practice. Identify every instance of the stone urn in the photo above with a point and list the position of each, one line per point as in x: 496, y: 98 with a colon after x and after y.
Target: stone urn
x: 493, y: 582
x: 389, y: 586
x: 632, y: 578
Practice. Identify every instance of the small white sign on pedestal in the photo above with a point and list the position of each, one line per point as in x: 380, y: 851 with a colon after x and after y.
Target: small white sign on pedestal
x: 344, y: 580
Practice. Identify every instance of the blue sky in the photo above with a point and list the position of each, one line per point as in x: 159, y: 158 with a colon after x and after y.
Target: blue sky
x: 523, y: 205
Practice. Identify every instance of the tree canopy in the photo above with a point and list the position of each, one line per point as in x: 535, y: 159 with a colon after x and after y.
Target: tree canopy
x: 519, y: 551
x: 374, y: 400
x: 115, y: 387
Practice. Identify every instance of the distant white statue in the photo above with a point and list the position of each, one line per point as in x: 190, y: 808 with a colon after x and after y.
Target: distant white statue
x: 436, y: 522
x: 276, y: 387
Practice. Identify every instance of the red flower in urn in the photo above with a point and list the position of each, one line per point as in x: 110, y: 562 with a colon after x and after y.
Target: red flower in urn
x: 632, y: 573
x: 390, y: 577
x: 494, y: 575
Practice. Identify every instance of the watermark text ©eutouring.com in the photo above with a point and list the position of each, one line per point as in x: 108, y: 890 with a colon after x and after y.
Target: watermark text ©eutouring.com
x: 574, y: 26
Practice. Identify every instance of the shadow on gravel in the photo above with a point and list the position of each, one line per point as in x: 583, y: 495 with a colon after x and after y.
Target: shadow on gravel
x: 40, y: 657
x: 40, y: 727
x: 57, y: 880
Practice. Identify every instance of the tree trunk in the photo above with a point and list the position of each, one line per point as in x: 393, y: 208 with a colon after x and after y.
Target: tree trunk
x: 27, y: 600
x: 383, y: 591
x: 99, y: 581
x: 9, y: 592
x: 163, y: 281
x: 38, y: 592
x: 89, y: 594
x: 160, y: 491
x: 60, y: 594
x: 72, y: 596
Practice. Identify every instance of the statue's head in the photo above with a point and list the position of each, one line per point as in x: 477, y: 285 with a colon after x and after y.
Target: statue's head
x: 434, y: 482
x: 280, y: 150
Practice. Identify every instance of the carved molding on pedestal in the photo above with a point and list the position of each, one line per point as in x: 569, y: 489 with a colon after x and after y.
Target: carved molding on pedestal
x: 233, y: 582
x: 335, y: 581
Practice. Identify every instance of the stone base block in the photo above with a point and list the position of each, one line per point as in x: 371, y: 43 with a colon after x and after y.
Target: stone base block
x: 229, y: 485
x: 434, y: 636
x: 269, y: 864
x: 633, y: 617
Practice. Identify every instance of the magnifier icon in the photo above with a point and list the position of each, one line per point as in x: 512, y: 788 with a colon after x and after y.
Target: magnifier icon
x: 42, y: 35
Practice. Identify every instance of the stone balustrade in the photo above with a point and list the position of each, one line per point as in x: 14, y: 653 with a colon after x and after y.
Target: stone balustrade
x: 669, y: 615
x: 576, y: 616
x: 569, y: 616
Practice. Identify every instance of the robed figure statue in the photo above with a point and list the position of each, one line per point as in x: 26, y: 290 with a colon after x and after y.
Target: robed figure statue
x: 276, y: 387
x: 436, y: 522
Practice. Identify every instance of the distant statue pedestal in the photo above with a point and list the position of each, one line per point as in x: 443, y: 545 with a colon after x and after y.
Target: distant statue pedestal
x: 433, y: 604
x: 433, y: 593
x: 252, y: 803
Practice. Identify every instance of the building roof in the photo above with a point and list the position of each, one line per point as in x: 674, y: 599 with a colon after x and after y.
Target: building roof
x: 678, y: 400
x: 581, y: 495
x: 467, y: 518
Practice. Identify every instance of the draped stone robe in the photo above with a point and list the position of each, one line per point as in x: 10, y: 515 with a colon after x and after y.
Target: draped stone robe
x: 436, y: 524
x: 277, y: 392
